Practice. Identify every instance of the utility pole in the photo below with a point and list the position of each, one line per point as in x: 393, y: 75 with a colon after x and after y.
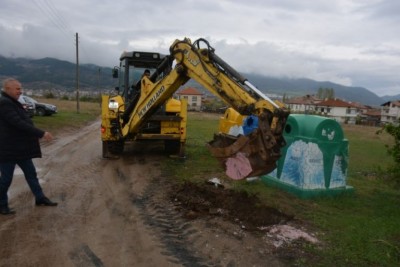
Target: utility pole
x: 77, y: 75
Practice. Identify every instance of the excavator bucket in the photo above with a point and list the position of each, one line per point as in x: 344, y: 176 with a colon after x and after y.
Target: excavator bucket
x: 254, y: 154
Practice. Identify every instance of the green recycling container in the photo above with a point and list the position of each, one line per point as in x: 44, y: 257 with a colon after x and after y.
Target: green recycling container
x: 315, y: 158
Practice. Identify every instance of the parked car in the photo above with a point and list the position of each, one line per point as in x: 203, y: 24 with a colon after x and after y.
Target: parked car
x: 42, y: 109
x: 28, y: 106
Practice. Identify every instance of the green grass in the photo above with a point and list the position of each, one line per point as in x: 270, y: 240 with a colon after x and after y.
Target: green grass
x: 362, y: 229
x: 63, y: 119
x: 367, y: 149
x: 67, y: 115
x: 198, y: 164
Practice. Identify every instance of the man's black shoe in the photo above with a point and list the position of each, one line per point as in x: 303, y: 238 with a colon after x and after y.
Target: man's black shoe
x: 44, y: 201
x: 6, y: 211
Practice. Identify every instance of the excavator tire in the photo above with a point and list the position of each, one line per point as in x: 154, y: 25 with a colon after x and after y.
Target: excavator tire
x: 111, y: 149
x: 175, y: 147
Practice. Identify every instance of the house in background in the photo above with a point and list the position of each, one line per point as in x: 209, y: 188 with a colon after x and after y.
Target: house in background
x: 339, y: 110
x: 390, y: 112
x: 193, y: 97
x: 372, y: 117
x: 303, y: 104
x: 344, y: 111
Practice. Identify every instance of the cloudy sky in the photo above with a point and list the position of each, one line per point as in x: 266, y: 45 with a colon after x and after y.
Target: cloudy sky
x: 350, y: 42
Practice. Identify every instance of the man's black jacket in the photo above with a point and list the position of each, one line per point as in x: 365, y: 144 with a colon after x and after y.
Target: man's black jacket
x: 19, y: 138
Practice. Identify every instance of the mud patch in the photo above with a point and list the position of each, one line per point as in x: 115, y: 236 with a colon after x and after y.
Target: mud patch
x: 198, y: 200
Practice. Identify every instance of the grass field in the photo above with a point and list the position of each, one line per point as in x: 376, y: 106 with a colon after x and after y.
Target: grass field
x: 362, y: 229
x: 67, y: 115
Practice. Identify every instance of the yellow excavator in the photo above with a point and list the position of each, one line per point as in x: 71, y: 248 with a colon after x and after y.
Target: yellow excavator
x: 250, y: 137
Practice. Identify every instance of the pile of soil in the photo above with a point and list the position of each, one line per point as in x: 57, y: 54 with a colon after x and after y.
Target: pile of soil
x: 199, y: 200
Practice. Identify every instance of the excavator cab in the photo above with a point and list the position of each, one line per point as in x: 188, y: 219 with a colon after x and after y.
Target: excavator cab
x: 132, y: 66
x: 115, y: 72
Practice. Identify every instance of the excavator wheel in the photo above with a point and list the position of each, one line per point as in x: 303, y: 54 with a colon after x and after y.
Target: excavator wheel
x: 172, y: 146
x: 111, y: 149
x: 175, y: 148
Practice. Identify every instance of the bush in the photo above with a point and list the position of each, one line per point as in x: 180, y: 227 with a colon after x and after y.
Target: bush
x: 94, y: 99
x: 394, y: 150
x: 49, y: 95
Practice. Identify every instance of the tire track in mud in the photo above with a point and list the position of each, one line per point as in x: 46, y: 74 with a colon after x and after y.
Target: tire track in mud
x: 84, y: 256
x: 79, y: 179
x: 161, y: 217
x: 171, y: 229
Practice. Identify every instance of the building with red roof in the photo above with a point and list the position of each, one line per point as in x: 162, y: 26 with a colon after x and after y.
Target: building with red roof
x: 193, y: 97
x: 303, y: 104
x: 346, y: 111
x: 340, y: 110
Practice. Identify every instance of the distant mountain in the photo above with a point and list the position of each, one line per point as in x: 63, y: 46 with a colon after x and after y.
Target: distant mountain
x: 387, y: 98
x: 298, y: 87
x: 50, y: 73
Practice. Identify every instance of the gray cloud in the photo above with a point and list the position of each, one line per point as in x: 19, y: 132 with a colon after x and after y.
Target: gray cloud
x: 344, y: 41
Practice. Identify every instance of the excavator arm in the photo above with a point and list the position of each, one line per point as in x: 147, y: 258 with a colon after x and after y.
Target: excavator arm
x: 242, y: 156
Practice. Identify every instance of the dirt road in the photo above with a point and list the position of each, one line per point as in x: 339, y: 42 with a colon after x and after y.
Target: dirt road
x: 115, y: 213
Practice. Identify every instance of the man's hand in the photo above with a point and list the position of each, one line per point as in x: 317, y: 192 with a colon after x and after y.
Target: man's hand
x: 47, y: 136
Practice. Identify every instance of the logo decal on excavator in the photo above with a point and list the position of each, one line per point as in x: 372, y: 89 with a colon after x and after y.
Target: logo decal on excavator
x: 152, y: 100
x: 191, y: 60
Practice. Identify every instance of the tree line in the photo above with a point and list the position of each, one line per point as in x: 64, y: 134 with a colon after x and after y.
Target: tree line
x: 325, y: 93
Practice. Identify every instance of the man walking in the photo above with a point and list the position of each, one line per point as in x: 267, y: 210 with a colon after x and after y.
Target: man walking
x: 19, y: 144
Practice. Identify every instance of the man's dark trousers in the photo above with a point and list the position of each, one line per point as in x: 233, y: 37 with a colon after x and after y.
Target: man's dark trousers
x: 7, y: 172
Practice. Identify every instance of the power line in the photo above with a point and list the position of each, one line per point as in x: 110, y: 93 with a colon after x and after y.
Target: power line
x: 48, y: 8
x: 83, y: 49
x: 54, y: 18
x: 61, y: 19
